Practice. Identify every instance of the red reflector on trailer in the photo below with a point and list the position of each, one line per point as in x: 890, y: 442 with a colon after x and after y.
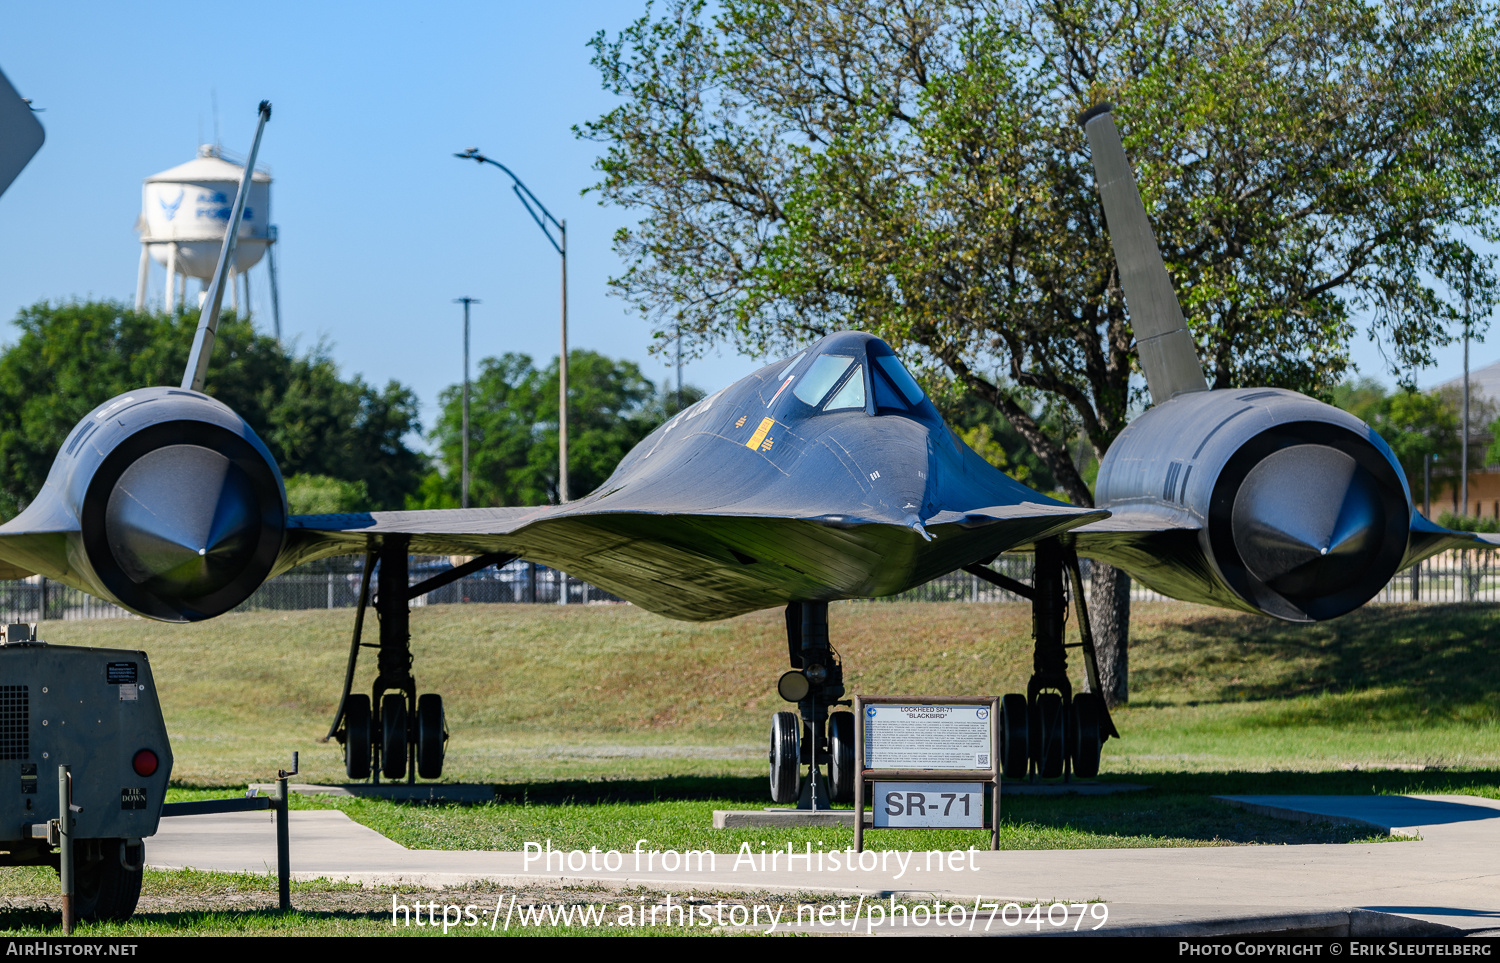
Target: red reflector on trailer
x: 145, y: 763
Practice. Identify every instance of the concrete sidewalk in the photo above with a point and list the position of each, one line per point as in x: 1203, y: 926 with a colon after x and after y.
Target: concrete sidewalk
x: 1448, y: 877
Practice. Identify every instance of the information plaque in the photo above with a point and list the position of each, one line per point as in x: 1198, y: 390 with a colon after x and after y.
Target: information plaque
x: 928, y: 737
x: 931, y: 761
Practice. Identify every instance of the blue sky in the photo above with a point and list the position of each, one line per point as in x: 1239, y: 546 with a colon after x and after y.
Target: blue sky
x: 380, y: 226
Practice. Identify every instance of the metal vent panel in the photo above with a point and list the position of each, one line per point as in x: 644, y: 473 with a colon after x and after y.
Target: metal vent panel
x: 15, y: 722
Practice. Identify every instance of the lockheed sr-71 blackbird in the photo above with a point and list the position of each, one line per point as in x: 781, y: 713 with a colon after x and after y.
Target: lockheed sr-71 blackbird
x: 828, y: 475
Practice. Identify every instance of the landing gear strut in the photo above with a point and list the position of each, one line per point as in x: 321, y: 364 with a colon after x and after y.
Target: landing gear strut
x: 819, y: 738
x: 1050, y: 731
x: 408, y: 735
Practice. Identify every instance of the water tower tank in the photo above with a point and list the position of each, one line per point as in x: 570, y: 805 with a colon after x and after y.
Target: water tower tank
x: 190, y: 204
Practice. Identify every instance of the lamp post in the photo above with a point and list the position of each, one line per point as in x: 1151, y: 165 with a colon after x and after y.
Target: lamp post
x: 560, y: 245
x: 464, y: 484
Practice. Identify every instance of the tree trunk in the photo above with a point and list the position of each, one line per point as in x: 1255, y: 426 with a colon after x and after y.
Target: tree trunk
x: 1109, y: 617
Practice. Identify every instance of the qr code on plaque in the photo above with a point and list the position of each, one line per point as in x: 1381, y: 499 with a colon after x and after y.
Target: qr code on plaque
x: 982, y: 759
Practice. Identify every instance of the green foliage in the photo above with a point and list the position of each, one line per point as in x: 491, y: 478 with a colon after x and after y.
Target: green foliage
x: 916, y: 171
x: 322, y: 495
x: 1468, y: 523
x: 1492, y: 454
x: 1419, y: 424
x: 513, y: 437
x: 71, y: 357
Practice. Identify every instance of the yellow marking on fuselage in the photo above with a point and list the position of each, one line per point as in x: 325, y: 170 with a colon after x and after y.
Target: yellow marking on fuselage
x: 760, y: 433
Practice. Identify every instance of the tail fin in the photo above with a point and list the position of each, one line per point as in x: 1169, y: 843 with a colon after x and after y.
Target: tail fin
x: 208, y: 321
x: 1166, y: 349
x: 21, y: 134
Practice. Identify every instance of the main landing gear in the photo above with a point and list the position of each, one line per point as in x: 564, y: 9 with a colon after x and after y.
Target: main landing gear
x: 1050, y: 731
x: 819, y: 740
x: 392, y: 731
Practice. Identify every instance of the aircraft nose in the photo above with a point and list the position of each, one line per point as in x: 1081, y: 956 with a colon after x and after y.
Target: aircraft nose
x: 183, y: 520
x: 895, y: 454
x: 1308, y: 520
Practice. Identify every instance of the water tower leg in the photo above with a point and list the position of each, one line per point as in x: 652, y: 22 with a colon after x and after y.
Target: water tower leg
x: 169, y: 295
x: 140, y: 284
x: 247, y: 295
x: 234, y: 293
x: 275, y: 302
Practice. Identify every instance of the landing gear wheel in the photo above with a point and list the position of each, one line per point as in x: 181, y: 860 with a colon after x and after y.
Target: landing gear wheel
x: 432, y: 736
x: 107, y: 889
x: 1015, y: 743
x: 841, y: 757
x: 1047, y: 730
x: 357, y: 737
x: 786, y: 755
x: 1085, y: 742
x: 393, y: 736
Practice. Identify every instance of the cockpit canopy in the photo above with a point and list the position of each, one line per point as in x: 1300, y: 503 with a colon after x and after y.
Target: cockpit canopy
x: 851, y: 372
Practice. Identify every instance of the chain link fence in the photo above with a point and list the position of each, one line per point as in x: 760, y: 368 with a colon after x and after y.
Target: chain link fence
x: 334, y: 583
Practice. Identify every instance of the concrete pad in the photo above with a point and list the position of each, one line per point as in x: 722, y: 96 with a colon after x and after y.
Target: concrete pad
x: 1448, y: 877
x: 1396, y: 815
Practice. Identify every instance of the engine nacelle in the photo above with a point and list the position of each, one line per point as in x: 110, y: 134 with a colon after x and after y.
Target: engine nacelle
x: 1301, y: 510
x: 163, y: 500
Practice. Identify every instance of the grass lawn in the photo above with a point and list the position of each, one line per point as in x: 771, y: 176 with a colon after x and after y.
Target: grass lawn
x: 536, y: 694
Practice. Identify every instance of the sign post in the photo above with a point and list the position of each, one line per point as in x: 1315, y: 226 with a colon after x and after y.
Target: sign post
x: 930, y: 761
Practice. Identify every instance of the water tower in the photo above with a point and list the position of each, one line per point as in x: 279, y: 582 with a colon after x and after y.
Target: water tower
x: 184, y: 213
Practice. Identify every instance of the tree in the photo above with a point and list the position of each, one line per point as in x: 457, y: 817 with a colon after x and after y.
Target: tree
x: 513, y: 428
x: 322, y: 495
x: 916, y: 170
x: 1419, y: 425
x: 71, y: 357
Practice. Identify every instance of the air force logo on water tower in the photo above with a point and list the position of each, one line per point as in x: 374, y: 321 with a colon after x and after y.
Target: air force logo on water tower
x: 170, y: 210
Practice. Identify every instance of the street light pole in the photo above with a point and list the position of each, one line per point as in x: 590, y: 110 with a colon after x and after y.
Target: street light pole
x: 562, y: 371
x: 464, y: 484
x: 543, y: 217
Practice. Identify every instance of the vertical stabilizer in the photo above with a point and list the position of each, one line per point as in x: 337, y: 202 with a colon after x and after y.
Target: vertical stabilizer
x: 213, y: 300
x: 21, y: 134
x: 1168, y: 355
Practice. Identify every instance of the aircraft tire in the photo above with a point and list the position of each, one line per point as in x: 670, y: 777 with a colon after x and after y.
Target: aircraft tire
x: 841, y: 757
x: 1015, y: 741
x: 393, y: 736
x: 1047, y: 732
x: 786, y: 768
x: 106, y: 889
x: 357, y: 737
x: 1085, y: 744
x: 432, y: 735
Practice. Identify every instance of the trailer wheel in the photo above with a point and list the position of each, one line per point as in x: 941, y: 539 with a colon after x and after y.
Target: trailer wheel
x: 106, y: 889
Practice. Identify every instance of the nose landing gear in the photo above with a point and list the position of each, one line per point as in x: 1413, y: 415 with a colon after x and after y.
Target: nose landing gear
x: 820, y: 740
